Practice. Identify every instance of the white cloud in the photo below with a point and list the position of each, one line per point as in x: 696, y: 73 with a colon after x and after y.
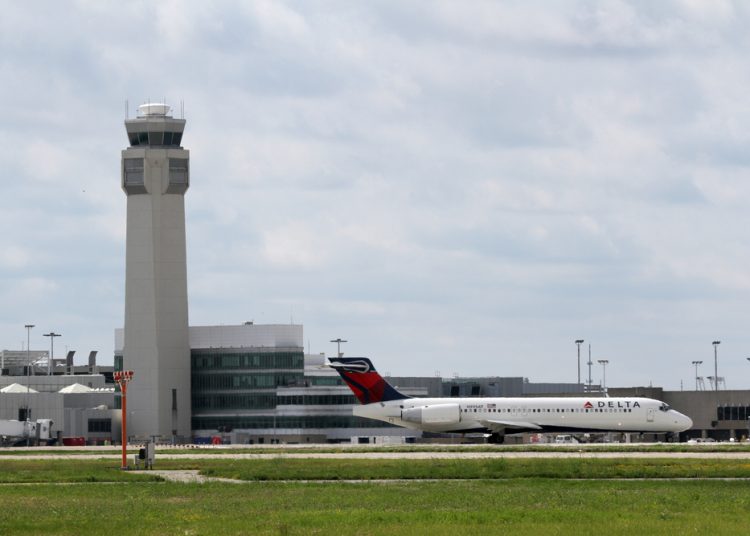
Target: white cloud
x: 466, y: 186
x: 281, y: 22
x: 14, y: 257
x: 294, y: 246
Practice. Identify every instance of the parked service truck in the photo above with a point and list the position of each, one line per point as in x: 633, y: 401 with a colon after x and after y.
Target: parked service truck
x: 13, y: 432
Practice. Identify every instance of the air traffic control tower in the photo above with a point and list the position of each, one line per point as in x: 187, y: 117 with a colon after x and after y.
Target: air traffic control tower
x: 155, y: 177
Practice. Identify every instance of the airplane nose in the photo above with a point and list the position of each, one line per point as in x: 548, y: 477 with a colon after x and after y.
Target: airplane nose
x: 688, y: 421
x: 685, y: 422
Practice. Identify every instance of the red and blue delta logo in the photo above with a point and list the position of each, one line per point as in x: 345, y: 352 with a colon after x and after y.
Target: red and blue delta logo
x: 614, y: 404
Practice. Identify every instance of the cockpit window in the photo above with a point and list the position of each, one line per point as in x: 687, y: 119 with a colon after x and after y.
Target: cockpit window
x: 664, y: 407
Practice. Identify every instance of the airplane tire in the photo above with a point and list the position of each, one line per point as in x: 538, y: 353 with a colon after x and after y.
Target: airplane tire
x: 496, y: 439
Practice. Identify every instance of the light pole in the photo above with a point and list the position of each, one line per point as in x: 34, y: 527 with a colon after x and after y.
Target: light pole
x: 696, y: 363
x: 716, y: 365
x: 51, y: 336
x: 604, y: 363
x: 28, y: 374
x: 28, y: 365
x: 579, y: 342
x: 338, y: 345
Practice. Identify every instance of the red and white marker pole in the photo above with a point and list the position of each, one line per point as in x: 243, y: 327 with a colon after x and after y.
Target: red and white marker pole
x: 122, y: 377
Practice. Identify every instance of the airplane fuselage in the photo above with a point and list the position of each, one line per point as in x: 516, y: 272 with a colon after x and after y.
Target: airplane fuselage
x: 513, y: 415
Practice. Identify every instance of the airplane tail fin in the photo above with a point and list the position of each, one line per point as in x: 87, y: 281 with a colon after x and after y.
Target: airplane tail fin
x: 367, y: 385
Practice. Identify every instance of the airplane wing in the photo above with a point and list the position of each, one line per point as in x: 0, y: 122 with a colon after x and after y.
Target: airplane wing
x: 501, y: 426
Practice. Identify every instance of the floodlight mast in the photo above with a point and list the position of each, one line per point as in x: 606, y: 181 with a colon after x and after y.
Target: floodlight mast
x: 695, y: 364
x: 28, y: 373
x: 338, y: 346
x: 604, y: 363
x: 716, y: 366
x: 51, y: 336
x: 579, y: 342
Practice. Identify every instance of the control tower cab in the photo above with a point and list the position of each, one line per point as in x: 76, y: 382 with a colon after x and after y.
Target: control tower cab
x: 156, y: 130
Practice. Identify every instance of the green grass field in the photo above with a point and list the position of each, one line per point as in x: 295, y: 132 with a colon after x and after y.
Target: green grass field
x: 502, y: 468
x: 520, y: 496
x: 523, y: 506
x: 289, y: 469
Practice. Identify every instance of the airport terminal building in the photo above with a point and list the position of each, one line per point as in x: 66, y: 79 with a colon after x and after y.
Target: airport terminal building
x: 80, y: 405
x: 253, y: 383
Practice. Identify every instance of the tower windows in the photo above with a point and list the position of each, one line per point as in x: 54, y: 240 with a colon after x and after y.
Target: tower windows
x: 155, y: 139
x: 132, y: 176
x: 178, y: 171
x: 134, y: 172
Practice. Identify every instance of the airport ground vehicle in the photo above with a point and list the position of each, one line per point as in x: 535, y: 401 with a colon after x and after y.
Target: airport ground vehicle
x: 14, y: 432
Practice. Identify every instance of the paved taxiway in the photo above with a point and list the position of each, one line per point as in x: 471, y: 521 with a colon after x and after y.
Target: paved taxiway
x: 433, y: 455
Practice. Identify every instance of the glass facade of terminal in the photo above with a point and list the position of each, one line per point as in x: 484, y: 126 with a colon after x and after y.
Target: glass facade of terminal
x: 325, y: 380
x: 242, y: 380
x: 243, y: 389
x: 264, y: 391
x: 315, y: 400
x: 278, y: 422
x: 733, y: 413
x: 212, y: 360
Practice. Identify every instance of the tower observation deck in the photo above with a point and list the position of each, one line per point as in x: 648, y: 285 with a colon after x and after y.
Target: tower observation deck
x: 155, y: 176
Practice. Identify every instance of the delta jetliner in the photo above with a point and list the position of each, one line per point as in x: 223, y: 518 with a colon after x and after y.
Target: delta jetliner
x: 500, y: 416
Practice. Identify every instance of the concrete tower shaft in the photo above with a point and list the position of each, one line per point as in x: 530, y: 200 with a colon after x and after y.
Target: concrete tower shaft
x: 155, y: 177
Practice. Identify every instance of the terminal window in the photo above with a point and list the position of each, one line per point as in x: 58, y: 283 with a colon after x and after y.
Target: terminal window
x: 733, y: 413
x: 100, y: 425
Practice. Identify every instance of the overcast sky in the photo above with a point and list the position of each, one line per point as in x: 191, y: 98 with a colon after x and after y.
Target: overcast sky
x: 462, y: 187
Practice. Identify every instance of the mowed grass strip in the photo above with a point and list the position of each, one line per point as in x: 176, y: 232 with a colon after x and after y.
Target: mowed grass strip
x: 67, y: 471
x: 61, y: 470
x: 523, y: 506
x: 494, y: 468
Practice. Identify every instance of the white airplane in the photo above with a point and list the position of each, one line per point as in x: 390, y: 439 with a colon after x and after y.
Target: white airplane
x: 500, y: 416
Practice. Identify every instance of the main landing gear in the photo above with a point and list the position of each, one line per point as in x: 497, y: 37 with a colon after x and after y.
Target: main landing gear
x: 496, y: 439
